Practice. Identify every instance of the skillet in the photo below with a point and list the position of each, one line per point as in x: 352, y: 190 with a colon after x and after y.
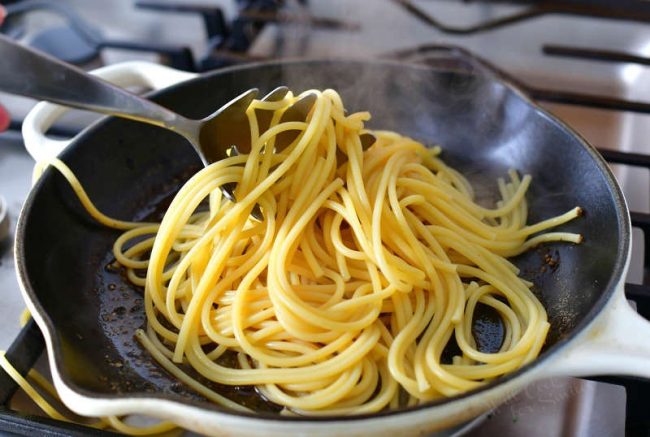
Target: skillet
x: 88, y: 312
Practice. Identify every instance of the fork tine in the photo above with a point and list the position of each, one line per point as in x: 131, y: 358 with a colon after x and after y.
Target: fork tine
x: 227, y: 126
x: 243, y: 100
x: 264, y: 120
x: 256, y: 213
x: 228, y: 189
x: 232, y: 146
x: 264, y: 117
x: 367, y: 140
x: 276, y: 95
x: 296, y: 112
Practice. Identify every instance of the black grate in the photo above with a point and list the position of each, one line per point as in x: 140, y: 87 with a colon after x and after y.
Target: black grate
x: 627, y: 10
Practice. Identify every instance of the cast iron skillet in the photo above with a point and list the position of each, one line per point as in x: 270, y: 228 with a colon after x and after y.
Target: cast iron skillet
x: 89, y: 312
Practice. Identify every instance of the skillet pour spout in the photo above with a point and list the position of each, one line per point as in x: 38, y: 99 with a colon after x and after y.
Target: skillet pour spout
x: 485, y: 126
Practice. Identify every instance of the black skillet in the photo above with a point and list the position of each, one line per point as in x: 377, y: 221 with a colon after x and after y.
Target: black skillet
x: 88, y: 311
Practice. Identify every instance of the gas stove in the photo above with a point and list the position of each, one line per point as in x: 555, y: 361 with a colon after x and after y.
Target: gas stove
x: 583, y: 60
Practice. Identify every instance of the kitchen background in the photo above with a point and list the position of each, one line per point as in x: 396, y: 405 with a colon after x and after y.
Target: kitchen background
x: 586, y: 61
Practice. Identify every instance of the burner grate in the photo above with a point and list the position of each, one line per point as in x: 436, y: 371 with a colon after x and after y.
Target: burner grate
x: 628, y: 10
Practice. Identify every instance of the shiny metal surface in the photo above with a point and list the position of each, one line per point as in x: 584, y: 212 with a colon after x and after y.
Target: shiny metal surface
x: 32, y: 74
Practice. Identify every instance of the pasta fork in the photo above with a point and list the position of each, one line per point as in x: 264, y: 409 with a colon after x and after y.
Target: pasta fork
x: 26, y: 72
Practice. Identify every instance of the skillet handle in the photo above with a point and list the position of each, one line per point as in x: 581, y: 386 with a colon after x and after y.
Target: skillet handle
x: 617, y: 343
x: 125, y: 74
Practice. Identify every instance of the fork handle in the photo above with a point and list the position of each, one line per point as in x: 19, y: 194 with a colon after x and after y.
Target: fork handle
x: 30, y: 73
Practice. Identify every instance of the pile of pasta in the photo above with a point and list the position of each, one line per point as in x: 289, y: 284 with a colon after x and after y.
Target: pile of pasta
x: 343, y: 298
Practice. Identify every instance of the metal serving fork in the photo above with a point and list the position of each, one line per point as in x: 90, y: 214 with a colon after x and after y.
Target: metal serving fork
x: 29, y: 73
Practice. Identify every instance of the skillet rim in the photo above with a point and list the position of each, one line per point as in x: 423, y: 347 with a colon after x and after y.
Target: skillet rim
x: 609, y: 289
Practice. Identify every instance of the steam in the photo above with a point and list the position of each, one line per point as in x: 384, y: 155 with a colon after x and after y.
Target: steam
x: 482, y: 127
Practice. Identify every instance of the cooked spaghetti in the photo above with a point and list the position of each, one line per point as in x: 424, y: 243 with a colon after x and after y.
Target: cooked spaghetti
x: 342, y: 300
